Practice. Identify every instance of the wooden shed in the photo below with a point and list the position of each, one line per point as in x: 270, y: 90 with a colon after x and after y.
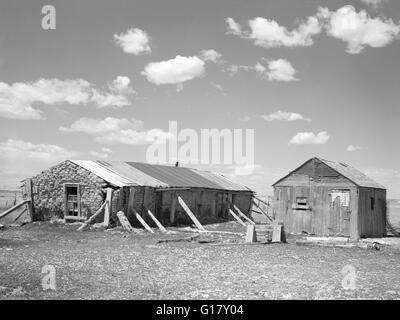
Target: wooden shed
x: 327, y: 198
x: 76, y: 189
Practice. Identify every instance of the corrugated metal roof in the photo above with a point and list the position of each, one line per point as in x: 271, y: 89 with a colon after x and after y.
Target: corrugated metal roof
x: 175, y: 176
x: 352, y: 174
x: 221, y: 180
x: 120, y: 173
x: 105, y: 174
x: 131, y: 173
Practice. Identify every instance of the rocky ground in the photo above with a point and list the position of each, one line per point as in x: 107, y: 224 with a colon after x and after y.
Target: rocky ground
x: 116, y: 265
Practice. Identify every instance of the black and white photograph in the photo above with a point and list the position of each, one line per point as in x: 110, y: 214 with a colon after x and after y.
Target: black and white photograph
x: 199, y: 154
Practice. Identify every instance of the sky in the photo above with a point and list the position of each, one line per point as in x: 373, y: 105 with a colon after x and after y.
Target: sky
x: 312, y: 78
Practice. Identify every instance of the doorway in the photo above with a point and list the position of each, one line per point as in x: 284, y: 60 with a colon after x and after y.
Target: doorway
x: 72, y: 201
x: 339, y: 213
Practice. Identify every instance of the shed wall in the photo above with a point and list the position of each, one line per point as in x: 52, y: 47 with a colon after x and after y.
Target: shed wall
x: 372, y: 222
x: 209, y: 206
x: 319, y: 219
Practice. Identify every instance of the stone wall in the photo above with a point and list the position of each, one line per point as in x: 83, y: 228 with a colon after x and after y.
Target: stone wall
x: 48, y: 187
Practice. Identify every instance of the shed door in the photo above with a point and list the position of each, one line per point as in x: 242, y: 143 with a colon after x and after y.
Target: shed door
x: 72, y: 201
x: 339, y: 213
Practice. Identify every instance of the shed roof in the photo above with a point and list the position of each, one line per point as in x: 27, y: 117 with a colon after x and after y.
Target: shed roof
x: 121, y: 173
x: 353, y: 174
x: 349, y: 172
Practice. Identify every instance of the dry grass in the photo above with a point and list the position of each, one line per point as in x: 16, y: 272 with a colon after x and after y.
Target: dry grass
x: 117, y: 265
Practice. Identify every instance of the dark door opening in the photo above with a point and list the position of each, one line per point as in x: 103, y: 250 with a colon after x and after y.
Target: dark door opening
x: 72, y: 199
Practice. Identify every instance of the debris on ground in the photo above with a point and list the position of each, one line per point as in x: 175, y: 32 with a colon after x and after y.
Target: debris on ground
x: 191, y: 238
x: 227, y: 268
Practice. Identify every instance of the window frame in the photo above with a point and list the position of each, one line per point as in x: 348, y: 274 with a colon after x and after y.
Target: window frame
x: 78, y: 193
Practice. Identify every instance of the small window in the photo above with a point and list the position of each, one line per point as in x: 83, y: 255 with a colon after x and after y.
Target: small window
x: 372, y: 203
x: 343, y: 195
x: 301, y: 203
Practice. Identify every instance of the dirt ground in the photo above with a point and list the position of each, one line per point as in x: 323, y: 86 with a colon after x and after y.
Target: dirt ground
x: 117, y: 265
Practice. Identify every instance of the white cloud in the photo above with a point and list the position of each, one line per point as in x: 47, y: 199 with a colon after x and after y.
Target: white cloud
x: 103, y: 126
x: 233, y: 27
x: 19, y: 149
x: 133, y: 137
x: 310, y: 138
x: 109, y: 100
x: 211, y: 55
x: 220, y: 88
x: 134, y: 41
x: 17, y: 101
x: 234, y: 69
x: 284, y: 116
x: 174, y: 71
x: 354, y: 148
x: 116, y: 131
x: 276, y: 70
x: 268, y: 33
x: 373, y: 3
x: 120, y: 90
x: 358, y: 29
x: 281, y: 70
x: 120, y: 84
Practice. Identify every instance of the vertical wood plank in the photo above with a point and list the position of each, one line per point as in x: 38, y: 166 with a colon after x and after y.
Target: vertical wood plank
x: 29, y: 193
x: 107, y: 209
x: 173, y: 208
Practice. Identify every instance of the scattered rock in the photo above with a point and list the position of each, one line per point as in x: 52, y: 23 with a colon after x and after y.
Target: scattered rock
x: 1, y: 227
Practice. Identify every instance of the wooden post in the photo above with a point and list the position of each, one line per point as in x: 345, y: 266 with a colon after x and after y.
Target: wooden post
x: 173, y: 208
x: 190, y: 214
x: 88, y: 221
x: 124, y: 221
x: 29, y: 194
x: 251, y: 233
x: 144, y: 224
x: 276, y: 233
x: 237, y: 218
x: 107, y: 208
x: 158, y: 223
x: 131, y: 203
x: 242, y: 214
